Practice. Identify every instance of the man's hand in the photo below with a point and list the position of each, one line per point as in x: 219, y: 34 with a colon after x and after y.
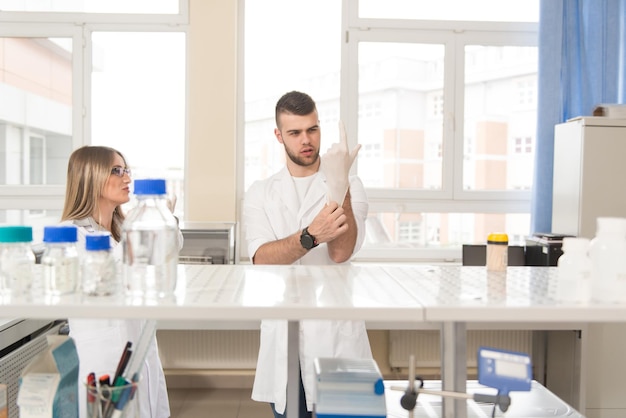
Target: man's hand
x: 336, y: 165
x: 329, y: 223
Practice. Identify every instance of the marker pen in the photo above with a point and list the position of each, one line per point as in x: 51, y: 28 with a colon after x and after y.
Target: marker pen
x: 91, y: 395
x: 116, y: 393
x: 121, y: 402
x: 105, y: 389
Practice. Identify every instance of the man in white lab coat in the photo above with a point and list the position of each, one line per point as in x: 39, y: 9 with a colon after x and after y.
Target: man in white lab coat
x: 311, y: 212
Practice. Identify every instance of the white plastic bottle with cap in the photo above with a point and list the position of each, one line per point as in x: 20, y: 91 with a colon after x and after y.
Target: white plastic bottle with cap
x: 17, y: 260
x: 60, y: 260
x: 150, y: 243
x: 99, y: 271
x: 574, y: 271
x: 608, y: 259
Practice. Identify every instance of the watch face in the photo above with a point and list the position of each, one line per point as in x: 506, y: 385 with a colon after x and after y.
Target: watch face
x: 306, y: 241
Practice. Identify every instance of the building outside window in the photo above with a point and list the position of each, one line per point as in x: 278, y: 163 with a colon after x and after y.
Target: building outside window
x: 78, y: 79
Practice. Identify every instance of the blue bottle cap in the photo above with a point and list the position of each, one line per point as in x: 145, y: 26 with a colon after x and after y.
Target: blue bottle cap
x: 60, y: 233
x: 16, y: 234
x: 97, y: 241
x: 150, y: 186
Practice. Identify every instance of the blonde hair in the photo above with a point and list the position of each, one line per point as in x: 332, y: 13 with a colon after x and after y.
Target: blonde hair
x: 88, y: 170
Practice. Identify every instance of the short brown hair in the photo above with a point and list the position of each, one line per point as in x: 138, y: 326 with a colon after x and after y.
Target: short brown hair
x: 295, y: 103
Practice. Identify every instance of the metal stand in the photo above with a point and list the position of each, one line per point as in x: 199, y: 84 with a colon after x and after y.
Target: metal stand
x: 293, y: 369
x: 453, y: 368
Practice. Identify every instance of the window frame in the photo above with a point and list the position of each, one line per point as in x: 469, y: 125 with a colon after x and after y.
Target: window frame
x: 454, y: 35
x: 78, y: 27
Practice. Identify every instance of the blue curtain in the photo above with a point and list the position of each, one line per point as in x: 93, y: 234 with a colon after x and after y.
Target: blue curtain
x: 582, y: 60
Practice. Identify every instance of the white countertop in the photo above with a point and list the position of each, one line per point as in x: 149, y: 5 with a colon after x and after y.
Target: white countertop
x: 376, y: 292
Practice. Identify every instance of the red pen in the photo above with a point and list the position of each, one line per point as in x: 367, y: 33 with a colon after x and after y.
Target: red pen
x: 91, y: 395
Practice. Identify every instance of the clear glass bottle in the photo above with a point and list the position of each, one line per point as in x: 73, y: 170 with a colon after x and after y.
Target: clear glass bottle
x: 608, y: 261
x: 99, y: 275
x: 150, y: 243
x: 497, y: 252
x: 17, y: 260
x: 60, y: 260
x: 574, y: 271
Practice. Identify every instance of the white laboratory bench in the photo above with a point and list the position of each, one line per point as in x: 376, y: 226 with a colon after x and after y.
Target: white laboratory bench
x: 448, y: 296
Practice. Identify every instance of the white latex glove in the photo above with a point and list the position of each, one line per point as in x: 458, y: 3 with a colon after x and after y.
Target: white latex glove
x: 171, y: 202
x: 336, y: 165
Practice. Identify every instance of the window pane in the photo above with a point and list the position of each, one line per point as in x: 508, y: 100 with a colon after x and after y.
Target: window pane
x: 92, y: 6
x: 37, y: 219
x: 289, y: 45
x: 475, y: 10
x: 138, y: 102
x: 500, y: 117
x: 35, y: 110
x: 441, y: 230
x: 400, y: 115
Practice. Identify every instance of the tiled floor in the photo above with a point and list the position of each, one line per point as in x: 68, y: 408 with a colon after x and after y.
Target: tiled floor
x: 218, y: 403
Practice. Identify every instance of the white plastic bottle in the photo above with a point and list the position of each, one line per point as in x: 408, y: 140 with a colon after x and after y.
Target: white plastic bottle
x: 574, y: 267
x: 99, y: 271
x: 60, y: 260
x: 150, y: 243
x: 608, y: 257
x: 17, y: 260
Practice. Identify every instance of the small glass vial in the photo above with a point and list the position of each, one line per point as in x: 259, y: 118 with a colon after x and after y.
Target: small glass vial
x: 60, y: 260
x: 17, y: 260
x: 608, y: 260
x: 497, y: 252
x: 574, y: 271
x: 99, y: 275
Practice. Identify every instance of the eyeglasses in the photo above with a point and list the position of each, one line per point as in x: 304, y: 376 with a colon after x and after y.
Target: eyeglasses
x: 120, y: 171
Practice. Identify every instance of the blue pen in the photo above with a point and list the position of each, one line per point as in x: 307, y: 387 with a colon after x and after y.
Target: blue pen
x: 121, y: 402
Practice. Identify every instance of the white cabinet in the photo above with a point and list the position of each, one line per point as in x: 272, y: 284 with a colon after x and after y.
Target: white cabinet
x: 590, y: 182
x: 589, y: 174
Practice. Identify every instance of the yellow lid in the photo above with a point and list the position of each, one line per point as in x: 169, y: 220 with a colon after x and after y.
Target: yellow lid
x: 498, y: 238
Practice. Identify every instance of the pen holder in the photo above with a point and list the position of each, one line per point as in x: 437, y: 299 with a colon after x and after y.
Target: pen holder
x: 119, y: 400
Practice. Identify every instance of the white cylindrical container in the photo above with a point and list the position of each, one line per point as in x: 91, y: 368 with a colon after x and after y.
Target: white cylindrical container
x: 60, y: 260
x: 497, y: 252
x: 608, y: 259
x: 99, y: 271
x: 17, y: 260
x: 150, y: 243
x: 574, y: 267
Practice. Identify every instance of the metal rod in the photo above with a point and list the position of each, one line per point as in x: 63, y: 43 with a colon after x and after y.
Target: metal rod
x: 454, y: 368
x: 293, y: 369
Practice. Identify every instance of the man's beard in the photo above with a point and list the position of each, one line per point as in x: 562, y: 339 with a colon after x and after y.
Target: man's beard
x: 300, y: 161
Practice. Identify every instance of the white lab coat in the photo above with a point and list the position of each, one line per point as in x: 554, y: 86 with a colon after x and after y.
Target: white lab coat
x: 271, y: 212
x: 100, y: 343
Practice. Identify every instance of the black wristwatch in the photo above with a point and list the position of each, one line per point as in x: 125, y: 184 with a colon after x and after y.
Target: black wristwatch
x: 307, y: 240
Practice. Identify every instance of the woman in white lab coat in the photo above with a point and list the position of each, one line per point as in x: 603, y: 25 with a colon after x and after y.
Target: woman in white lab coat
x: 98, y: 181
x: 272, y: 210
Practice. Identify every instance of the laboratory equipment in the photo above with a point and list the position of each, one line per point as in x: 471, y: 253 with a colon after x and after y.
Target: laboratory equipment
x: 60, y: 260
x: 503, y: 370
x: 150, y: 243
x: 99, y: 270
x: 17, y: 260
x: 349, y: 388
